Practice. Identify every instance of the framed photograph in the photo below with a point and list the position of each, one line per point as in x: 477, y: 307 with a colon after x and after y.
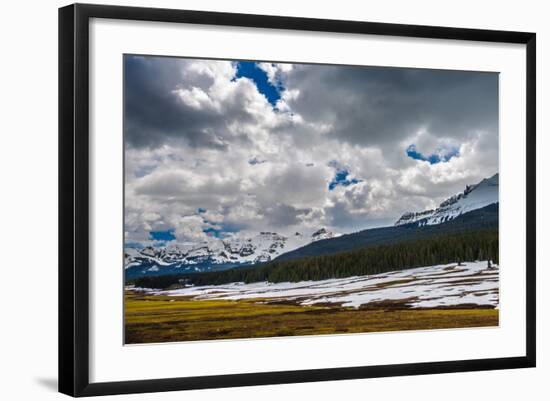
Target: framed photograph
x: 250, y: 199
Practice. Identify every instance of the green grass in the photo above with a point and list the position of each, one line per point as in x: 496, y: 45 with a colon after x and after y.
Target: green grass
x: 153, y: 319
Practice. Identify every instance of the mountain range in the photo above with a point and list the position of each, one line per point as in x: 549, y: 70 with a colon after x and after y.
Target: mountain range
x: 474, y: 208
x: 215, y: 253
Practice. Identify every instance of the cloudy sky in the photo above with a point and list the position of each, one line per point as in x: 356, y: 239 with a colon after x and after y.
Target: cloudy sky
x: 224, y: 148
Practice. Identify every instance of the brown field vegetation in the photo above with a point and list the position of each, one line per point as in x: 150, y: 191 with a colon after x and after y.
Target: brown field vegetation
x: 155, y: 319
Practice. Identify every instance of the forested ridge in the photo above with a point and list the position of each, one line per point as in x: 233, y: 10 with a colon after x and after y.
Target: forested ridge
x: 480, y: 219
x: 442, y: 249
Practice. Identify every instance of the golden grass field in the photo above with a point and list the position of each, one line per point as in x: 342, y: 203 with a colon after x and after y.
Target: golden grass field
x: 155, y: 319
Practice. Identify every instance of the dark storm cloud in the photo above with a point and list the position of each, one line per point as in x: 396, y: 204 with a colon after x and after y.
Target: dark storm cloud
x: 155, y: 114
x: 379, y: 106
x: 281, y: 215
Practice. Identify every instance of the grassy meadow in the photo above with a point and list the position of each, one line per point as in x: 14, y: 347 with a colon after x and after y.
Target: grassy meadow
x: 157, y: 319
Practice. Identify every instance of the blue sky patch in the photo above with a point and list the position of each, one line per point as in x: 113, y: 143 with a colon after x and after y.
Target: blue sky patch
x: 341, y: 178
x: 441, y: 155
x: 250, y: 69
x: 221, y: 231
x: 167, y: 235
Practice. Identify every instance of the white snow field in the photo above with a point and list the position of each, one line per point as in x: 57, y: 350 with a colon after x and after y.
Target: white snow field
x: 472, y: 284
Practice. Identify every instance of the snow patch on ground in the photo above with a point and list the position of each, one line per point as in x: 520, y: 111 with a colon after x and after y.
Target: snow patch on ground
x: 424, y: 287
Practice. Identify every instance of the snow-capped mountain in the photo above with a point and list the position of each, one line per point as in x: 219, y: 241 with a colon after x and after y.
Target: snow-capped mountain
x: 322, y: 234
x: 473, y: 197
x: 217, y: 253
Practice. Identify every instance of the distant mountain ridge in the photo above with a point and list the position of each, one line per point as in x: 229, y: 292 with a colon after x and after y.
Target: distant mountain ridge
x: 473, y: 197
x: 215, y: 253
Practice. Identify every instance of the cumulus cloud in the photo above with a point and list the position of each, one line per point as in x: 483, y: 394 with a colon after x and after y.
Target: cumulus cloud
x: 343, y: 147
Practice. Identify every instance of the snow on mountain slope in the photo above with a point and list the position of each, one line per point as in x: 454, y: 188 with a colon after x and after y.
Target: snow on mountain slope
x: 473, y: 197
x: 322, y: 234
x: 262, y: 247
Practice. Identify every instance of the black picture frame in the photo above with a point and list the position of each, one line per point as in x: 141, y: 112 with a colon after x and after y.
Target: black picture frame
x: 74, y: 198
